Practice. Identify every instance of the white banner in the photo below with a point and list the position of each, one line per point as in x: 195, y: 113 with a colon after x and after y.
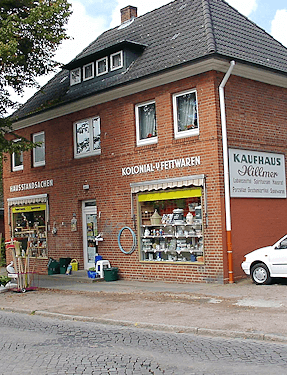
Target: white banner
x: 255, y: 174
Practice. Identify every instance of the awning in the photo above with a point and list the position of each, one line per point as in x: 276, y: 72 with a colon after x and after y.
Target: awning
x: 169, y: 183
x: 19, y: 201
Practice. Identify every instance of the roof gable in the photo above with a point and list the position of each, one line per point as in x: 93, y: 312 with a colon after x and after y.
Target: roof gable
x: 176, y: 34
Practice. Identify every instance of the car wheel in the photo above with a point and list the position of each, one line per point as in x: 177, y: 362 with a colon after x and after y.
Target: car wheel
x: 260, y: 274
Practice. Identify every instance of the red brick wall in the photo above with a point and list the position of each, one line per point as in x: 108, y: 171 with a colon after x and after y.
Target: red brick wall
x: 112, y: 190
x: 256, y: 118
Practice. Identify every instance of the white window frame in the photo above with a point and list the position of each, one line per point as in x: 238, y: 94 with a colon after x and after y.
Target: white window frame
x: 75, y: 82
x: 183, y: 133
x: 16, y: 168
x: 92, y: 151
x: 111, y: 60
x: 41, y: 162
x: 93, y: 71
x: 146, y: 141
x: 97, y: 66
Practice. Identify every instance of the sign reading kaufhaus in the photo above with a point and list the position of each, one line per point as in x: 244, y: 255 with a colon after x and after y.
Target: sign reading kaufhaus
x: 255, y: 174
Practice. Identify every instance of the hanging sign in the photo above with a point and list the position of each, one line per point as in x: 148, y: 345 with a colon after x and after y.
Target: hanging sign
x: 255, y: 174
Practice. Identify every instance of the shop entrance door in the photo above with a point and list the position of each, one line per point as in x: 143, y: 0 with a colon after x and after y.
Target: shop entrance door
x: 90, y: 231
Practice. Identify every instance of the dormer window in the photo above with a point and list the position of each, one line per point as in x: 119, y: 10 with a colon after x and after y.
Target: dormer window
x: 75, y: 76
x: 117, y: 60
x: 88, y: 71
x: 102, y: 66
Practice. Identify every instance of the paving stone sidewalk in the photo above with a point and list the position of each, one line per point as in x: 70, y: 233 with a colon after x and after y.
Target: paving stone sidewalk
x: 232, y: 310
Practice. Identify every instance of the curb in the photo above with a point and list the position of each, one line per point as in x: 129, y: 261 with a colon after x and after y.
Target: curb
x: 157, y: 327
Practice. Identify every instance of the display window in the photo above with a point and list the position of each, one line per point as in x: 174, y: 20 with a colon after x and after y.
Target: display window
x: 29, y: 227
x: 171, y: 226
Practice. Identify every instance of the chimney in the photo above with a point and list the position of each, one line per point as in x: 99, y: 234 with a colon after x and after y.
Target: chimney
x: 128, y: 13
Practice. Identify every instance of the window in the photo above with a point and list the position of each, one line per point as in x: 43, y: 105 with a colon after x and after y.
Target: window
x: 17, y: 160
x: 88, y: 71
x: 87, y: 137
x: 171, y: 227
x: 146, y: 123
x: 75, y: 76
x: 185, y: 114
x: 117, y: 60
x: 102, y: 66
x: 39, y: 152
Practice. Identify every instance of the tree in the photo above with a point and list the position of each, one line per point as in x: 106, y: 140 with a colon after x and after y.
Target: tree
x: 30, y: 32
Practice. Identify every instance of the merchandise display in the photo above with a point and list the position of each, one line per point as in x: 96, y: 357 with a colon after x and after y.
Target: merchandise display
x: 173, y: 232
x: 30, y: 229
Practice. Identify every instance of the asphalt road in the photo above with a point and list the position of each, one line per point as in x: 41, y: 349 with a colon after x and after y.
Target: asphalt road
x: 37, y: 345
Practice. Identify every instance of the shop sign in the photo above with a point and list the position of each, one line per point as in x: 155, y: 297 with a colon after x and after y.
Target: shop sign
x: 31, y: 185
x: 29, y: 208
x: 256, y: 174
x: 161, y: 166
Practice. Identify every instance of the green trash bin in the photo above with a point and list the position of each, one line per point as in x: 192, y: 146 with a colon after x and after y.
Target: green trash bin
x: 53, y: 267
x: 111, y: 274
x: 64, y: 262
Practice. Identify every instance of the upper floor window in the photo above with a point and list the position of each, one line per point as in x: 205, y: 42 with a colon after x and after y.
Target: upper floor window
x: 102, y: 66
x: 75, y: 76
x: 87, y: 137
x: 88, y: 71
x: 146, y: 123
x: 17, y: 160
x: 185, y: 114
x: 39, y: 151
x: 117, y: 60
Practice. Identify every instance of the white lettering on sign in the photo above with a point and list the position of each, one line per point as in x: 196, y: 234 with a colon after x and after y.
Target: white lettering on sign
x: 161, y: 166
x: 31, y: 185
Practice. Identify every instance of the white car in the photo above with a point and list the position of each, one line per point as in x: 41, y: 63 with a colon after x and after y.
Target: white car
x: 267, y: 262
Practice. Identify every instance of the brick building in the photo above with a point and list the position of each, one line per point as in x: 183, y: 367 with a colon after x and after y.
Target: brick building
x: 163, y: 148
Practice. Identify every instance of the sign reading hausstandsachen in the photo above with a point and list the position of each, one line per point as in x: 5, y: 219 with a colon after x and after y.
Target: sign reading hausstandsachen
x: 255, y: 174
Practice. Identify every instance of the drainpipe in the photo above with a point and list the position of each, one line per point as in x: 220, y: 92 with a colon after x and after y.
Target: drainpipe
x: 226, y: 172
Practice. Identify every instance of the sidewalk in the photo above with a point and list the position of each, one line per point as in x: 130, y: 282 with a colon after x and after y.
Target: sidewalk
x: 232, y: 310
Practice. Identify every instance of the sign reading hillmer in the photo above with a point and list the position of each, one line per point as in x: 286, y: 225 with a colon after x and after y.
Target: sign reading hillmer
x: 255, y: 174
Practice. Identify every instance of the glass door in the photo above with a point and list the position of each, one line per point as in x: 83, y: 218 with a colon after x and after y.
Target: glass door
x: 90, y: 231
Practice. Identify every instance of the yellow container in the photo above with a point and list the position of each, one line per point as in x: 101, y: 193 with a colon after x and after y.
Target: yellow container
x: 75, y: 264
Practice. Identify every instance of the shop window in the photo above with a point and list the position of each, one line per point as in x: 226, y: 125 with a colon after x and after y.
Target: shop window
x: 185, y: 114
x: 171, y: 228
x: 117, y: 60
x: 88, y: 71
x: 17, y: 160
x: 29, y: 226
x: 146, y: 123
x: 39, y: 151
x: 87, y: 137
x: 75, y: 76
x: 102, y: 66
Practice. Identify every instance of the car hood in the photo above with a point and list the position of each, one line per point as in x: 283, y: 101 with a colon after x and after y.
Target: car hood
x: 259, y: 252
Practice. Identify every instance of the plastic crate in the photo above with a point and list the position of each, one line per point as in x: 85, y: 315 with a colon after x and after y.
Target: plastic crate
x: 111, y: 274
x: 93, y: 274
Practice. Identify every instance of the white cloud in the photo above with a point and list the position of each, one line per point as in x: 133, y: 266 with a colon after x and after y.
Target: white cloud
x: 143, y: 7
x: 279, y: 26
x: 245, y: 7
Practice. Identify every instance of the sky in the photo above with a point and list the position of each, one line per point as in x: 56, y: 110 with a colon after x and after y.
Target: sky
x: 92, y: 17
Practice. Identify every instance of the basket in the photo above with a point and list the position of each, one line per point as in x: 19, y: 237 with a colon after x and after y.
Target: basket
x: 75, y: 264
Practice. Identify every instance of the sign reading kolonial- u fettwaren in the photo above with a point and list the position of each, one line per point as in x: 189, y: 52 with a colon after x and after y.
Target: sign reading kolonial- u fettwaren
x: 256, y: 174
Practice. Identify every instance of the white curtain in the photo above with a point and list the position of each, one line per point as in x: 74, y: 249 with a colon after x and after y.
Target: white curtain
x: 186, y: 112
x: 147, y: 121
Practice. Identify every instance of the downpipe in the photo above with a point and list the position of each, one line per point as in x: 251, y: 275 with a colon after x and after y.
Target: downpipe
x: 226, y: 172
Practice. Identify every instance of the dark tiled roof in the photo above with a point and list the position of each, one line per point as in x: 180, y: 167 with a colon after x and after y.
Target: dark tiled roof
x: 175, y: 34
